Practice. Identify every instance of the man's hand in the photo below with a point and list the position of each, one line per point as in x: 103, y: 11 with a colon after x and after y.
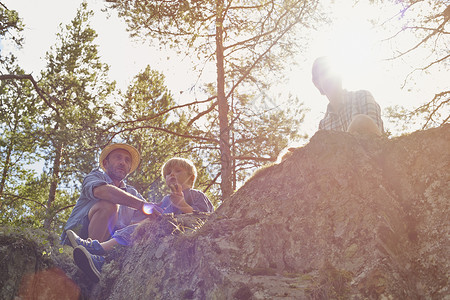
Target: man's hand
x: 151, y: 210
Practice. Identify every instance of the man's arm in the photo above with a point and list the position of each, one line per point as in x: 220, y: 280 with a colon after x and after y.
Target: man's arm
x: 115, y: 195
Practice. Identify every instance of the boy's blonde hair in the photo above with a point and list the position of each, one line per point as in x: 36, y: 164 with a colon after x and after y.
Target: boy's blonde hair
x: 182, y: 163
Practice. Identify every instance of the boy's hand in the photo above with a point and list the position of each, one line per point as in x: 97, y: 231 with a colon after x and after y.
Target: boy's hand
x: 177, y: 197
x: 175, y: 187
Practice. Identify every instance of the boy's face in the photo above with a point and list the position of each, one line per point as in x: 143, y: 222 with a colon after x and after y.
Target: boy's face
x: 180, y: 176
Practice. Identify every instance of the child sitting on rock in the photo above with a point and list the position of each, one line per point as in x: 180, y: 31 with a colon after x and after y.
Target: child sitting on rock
x: 180, y: 175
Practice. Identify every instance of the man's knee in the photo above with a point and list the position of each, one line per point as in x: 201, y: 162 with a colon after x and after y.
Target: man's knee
x: 102, y: 219
x: 103, y: 208
x: 363, y: 124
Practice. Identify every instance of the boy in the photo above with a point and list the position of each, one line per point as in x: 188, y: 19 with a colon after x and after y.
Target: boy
x: 180, y: 175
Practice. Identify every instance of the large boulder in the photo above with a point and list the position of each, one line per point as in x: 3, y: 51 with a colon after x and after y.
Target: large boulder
x: 344, y: 217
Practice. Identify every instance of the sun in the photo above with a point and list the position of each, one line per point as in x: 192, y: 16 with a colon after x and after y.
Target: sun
x: 354, y: 52
x: 352, y: 43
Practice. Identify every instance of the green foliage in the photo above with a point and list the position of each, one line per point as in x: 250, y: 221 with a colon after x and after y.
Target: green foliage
x: 247, y: 42
x: 11, y: 25
x: 64, y: 126
x: 153, y: 132
x: 146, y: 100
x: 26, y: 203
x: 18, y: 139
x: 73, y: 116
x: 72, y: 126
x: 44, y: 244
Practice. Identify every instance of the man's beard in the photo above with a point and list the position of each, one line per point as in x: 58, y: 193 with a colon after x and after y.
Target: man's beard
x: 118, y: 175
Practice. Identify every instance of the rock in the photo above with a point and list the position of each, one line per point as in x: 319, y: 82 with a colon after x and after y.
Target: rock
x: 345, y: 217
x: 29, y: 269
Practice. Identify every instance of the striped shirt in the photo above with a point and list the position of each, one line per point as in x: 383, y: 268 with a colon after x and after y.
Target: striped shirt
x: 355, y: 103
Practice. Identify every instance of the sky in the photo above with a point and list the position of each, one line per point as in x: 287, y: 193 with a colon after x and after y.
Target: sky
x: 351, y: 39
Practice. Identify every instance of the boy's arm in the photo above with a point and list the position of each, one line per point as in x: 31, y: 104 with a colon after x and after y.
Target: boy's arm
x: 200, y: 202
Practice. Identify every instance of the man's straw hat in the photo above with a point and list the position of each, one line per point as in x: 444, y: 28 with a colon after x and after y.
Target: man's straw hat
x: 135, y: 156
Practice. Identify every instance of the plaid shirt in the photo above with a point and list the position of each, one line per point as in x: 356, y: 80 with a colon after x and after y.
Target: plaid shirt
x: 359, y: 102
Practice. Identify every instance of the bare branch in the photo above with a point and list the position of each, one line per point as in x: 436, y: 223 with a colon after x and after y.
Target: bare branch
x: 212, y: 182
x: 40, y: 92
x: 424, y: 40
x: 148, y: 118
x: 26, y: 199
x: 252, y: 158
x: 426, y: 28
x: 193, y: 137
x: 435, y: 109
x: 202, y: 114
x: 424, y: 68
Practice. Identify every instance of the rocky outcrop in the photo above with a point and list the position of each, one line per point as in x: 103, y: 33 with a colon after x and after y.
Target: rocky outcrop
x: 33, y: 268
x: 345, y: 217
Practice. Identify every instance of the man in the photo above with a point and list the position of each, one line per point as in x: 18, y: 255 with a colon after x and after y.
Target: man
x: 355, y: 112
x: 96, y: 213
x: 180, y: 175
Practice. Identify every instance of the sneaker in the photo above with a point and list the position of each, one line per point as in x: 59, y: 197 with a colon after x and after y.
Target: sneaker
x: 90, y: 264
x: 93, y: 246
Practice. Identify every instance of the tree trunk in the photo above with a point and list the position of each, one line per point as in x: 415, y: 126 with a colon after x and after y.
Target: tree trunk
x: 224, y: 138
x: 6, y: 165
x: 53, y: 184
